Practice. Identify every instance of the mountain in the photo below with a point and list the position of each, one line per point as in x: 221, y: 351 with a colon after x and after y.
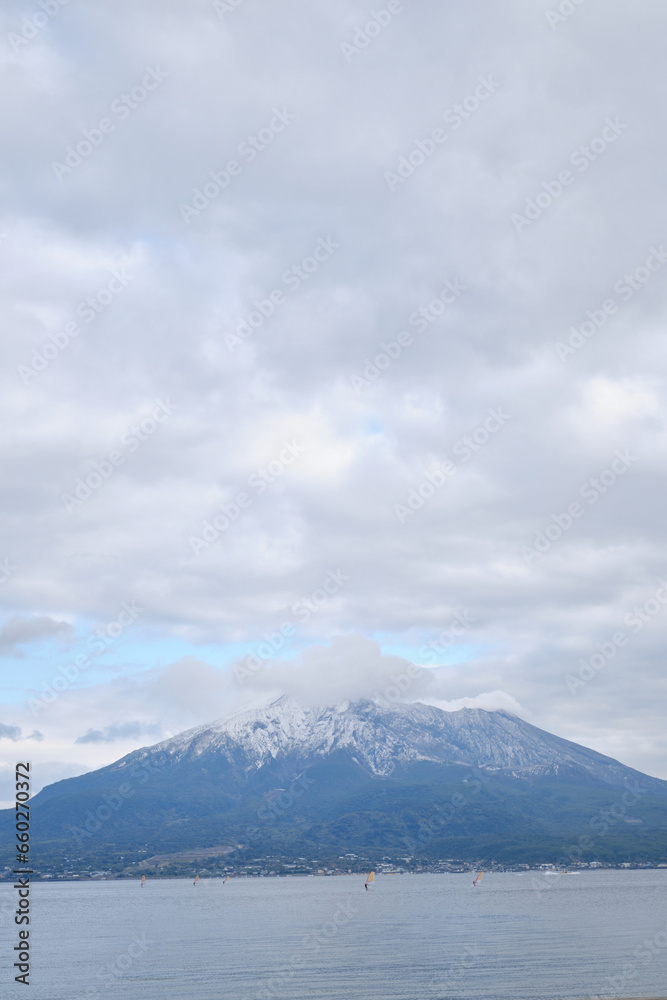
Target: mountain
x: 381, y: 738
x: 313, y: 782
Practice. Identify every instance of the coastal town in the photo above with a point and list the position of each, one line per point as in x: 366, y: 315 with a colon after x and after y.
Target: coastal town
x: 212, y: 866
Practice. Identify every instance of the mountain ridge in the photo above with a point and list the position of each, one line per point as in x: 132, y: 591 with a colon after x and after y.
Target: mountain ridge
x: 295, y: 781
x: 283, y: 726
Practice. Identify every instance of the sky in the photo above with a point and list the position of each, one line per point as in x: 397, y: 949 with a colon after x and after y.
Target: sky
x: 333, y: 363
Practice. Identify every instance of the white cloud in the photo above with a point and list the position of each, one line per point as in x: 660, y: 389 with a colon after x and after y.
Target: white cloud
x: 333, y: 508
x: 489, y: 701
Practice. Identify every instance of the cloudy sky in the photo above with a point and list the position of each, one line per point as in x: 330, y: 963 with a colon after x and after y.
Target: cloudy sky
x: 333, y: 338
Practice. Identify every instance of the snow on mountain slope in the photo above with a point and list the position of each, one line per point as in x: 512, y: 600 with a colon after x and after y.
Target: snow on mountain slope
x: 381, y: 737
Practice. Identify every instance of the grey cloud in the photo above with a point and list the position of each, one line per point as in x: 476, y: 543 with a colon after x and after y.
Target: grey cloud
x: 291, y: 378
x: 15, y: 733
x: 120, y: 731
x: 9, y: 732
x: 19, y: 631
x: 93, y: 736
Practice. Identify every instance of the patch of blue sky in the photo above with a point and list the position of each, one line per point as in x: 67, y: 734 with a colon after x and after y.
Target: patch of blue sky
x: 372, y: 428
x: 159, y: 652
x: 28, y: 674
x: 270, y: 645
x: 127, y: 656
x: 29, y: 665
x: 417, y: 650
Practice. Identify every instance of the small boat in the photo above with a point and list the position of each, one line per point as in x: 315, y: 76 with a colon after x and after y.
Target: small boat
x: 478, y: 879
x: 370, y: 879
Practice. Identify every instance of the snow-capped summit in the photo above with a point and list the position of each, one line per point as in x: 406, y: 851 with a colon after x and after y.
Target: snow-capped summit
x: 303, y: 781
x: 380, y: 738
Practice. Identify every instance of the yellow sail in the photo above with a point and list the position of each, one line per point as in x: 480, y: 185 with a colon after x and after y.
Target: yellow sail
x: 371, y: 878
x: 478, y: 879
x: 225, y: 880
x: 196, y: 879
x: 143, y: 881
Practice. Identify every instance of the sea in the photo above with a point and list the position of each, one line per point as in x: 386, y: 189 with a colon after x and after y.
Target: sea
x: 410, y: 937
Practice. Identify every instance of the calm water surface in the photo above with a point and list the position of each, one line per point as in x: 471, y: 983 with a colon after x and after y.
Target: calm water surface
x: 412, y: 937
